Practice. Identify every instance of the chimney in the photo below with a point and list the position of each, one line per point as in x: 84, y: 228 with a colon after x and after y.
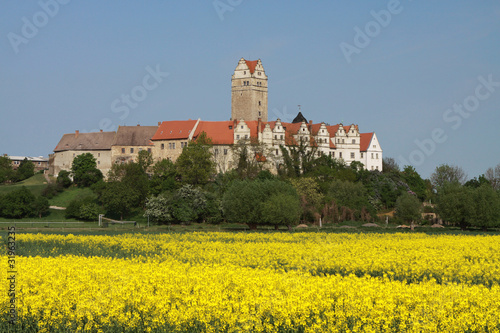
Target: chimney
x: 100, y: 131
x: 138, y: 124
x: 76, y: 133
x: 159, y: 123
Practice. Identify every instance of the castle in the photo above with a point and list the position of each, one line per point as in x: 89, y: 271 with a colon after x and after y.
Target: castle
x: 248, y: 124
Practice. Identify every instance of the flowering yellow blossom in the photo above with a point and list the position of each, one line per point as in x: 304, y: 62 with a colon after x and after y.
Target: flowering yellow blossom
x: 251, y: 282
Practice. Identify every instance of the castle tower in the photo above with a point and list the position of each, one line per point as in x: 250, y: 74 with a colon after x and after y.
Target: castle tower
x: 249, y: 91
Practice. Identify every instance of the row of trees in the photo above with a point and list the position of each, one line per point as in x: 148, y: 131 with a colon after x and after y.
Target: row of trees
x: 308, y: 188
x: 25, y: 170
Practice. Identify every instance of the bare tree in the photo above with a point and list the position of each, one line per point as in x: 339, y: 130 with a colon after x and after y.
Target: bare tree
x: 448, y: 174
x: 389, y: 164
x: 493, y: 176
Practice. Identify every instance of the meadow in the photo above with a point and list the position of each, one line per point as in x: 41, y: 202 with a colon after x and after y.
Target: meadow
x: 255, y: 282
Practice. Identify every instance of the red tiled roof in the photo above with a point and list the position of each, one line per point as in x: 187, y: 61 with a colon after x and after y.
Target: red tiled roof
x: 366, y: 138
x: 332, y: 145
x: 218, y: 131
x: 251, y: 65
x: 172, y: 130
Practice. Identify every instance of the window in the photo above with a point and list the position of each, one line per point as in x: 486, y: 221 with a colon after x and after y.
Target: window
x: 98, y: 162
x: 277, y: 152
x: 281, y: 137
x: 258, y: 73
x: 225, y: 151
x: 352, y: 155
x: 372, y: 155
x: 216, y: 151
x: 340, y: 155
x: 140, y: 149
x: 361, y: 155
x: 353, y: 141
x: 241, y: 126
x: 237, y: 137
x: 246, y: 136
x: 374, y: 146
x: 376, y: 167
x: 98, y: 154
x: 333, y: 154
x: 173, y: 145
x: 149, y: 150
x: 244, y: 72
x: 162, y: 146
x: 372, y: 167
x: 123, y: 150
x: 170, y: 145
x: 260, y: 113
x: 342, y: 140
x: 259, y: 103
x: 131, y: 150
x: 230, y: 127
x: 377, y: 156
x: 275, y: 137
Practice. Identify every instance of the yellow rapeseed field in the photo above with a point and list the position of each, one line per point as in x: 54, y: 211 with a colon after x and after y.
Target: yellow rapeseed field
x: 255, y: 282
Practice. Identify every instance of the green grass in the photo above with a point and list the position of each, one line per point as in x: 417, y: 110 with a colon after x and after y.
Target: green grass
x: 64, y: 198
x: 35, y: 184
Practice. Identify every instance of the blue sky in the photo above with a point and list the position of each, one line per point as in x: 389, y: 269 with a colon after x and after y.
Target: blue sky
x: 66, y: 64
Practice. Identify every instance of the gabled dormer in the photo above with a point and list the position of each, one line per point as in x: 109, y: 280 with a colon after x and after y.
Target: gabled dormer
x: 241, y: 131
x: 323, y: 136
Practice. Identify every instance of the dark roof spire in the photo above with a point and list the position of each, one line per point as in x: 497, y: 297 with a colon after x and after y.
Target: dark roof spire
x: 300, y: 118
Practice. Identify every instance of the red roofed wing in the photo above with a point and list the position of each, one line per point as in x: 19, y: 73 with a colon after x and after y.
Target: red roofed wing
x: 366, y: 138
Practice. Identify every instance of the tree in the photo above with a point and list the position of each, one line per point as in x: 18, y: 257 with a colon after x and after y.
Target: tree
x: 195, y: 164
x: 493, y: 176
x: 447, y: 174
x: 455, y: 204
x: 158, y: 209
x: 477, y: 182
x: 409, y: 208
x: 145, y: 160
x: 349, y: 195
x: 487, y: 207
x: 25, y: 170
x: 253, y: 156
x: 126, y: 189
x: 6, y: 171
x: 244, y: 200
x: 164, y: 177
x: 84, y: 170
x: 119, y: 199
x: 281, y: 209
x: 188, y: 204
x: 389, y: 165
x: 310, y: 196
x: 415, y: 182
x: 63, y: 178
x: 40, y: 206
x: 18, y: 203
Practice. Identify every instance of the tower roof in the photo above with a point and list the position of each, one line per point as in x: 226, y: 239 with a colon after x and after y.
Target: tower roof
x: 251, y: 65
x: 299, y: 119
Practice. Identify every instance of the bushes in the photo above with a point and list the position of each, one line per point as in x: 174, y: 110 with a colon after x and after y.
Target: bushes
x: 83, y: 208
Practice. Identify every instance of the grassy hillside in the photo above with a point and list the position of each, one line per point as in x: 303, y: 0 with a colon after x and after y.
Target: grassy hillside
x: 64, y: 198
x: 35, y: 184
